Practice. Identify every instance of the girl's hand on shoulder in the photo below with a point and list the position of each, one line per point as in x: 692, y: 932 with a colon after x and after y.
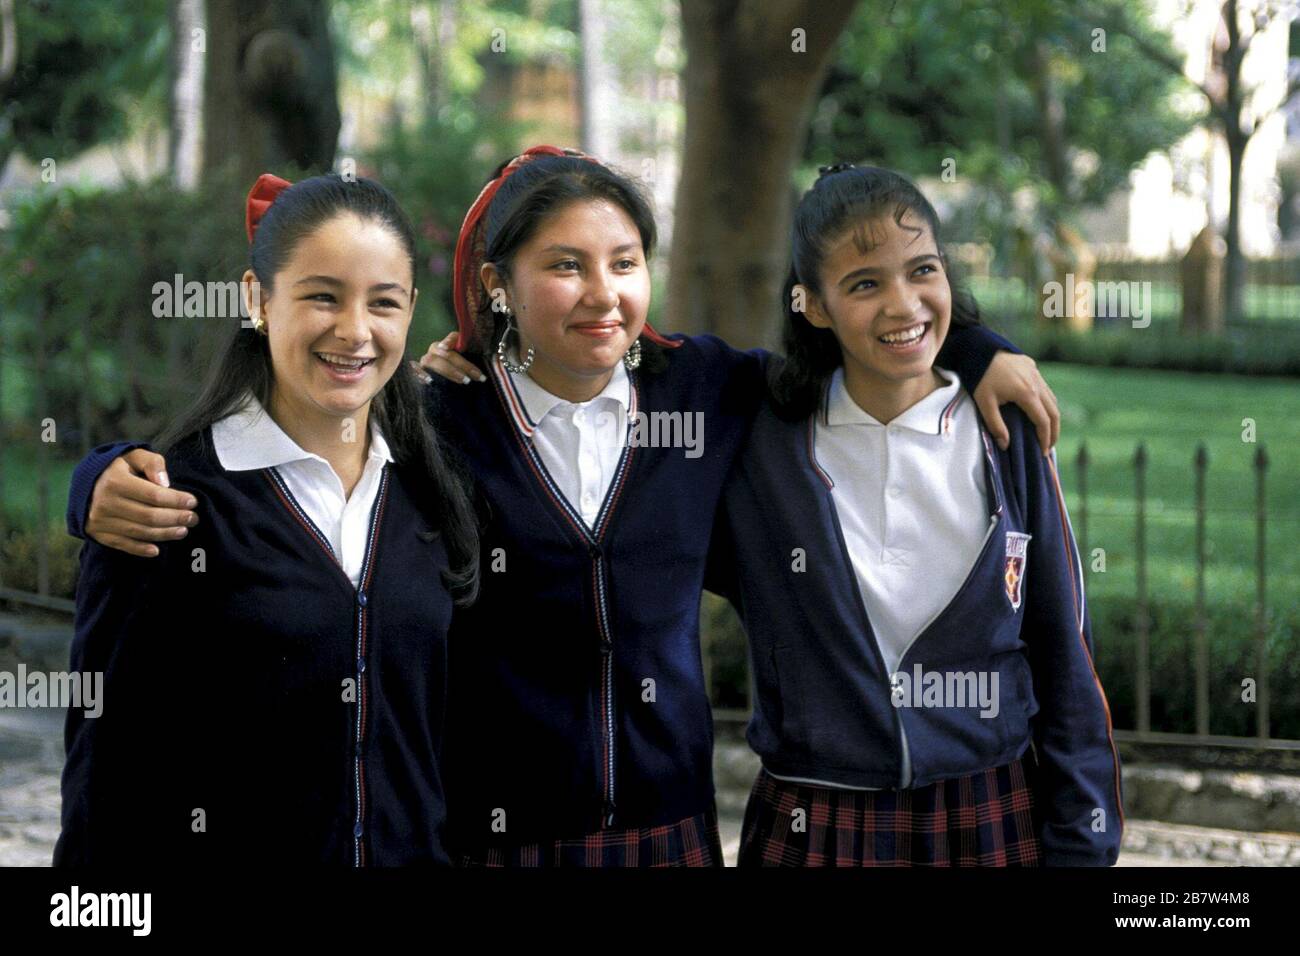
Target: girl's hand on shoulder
x: 450, y: 365
x: 1016, y: 379
x: 132, y: 506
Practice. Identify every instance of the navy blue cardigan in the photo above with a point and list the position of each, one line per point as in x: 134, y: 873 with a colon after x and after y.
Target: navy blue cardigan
x: 254, y: 683
x: 577, y: 700
x: 825, y: 708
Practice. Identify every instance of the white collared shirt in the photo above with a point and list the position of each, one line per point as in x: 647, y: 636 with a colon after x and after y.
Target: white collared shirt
x: 912, y: 501
x: 579, y: 443
x: 250, y: 439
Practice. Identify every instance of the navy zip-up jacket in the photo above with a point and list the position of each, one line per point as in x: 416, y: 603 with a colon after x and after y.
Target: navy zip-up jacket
x: 824, y: 707
x: 577, y: 699
x: 257, y: 707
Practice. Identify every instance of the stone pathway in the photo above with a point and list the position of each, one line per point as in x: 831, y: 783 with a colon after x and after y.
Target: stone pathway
x: 31, y: 759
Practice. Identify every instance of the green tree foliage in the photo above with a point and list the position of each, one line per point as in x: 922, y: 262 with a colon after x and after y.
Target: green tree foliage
x: 79, y: 268
x: 916, y: 84
x: 85, y: 67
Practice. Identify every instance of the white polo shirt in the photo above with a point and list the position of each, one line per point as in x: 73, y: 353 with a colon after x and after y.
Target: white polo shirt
x: 250, y: 439
x: 911, y: 499
x: 578, y: 442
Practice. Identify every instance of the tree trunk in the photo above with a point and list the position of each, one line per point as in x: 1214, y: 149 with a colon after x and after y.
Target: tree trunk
x: 184, y: 148
x: 433, y: 28
x: 270, y: 89
x: 748, y: 92
x: 1234, y: 263
x: 598, y: 80
x: 8, y: 66
x: 1051, y: 124
x: 1234, y: 266
x: 1072, y: 260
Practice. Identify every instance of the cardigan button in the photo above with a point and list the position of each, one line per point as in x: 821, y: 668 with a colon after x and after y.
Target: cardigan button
x: 356, y: 831
x: 361, y: 665
x: 361, y: 598
x: 594, y: 550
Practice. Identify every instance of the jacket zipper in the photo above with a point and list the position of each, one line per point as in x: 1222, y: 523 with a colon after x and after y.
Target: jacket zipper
x: 994, y: 520
x: 905, y: 768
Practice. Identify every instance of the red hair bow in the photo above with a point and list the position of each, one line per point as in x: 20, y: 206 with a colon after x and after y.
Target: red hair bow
x: 471, y: 249
x: 260, y: 198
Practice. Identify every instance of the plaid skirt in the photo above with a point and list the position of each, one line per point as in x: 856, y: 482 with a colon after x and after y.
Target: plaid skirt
x: 690, y: 842
x: 983, y: 819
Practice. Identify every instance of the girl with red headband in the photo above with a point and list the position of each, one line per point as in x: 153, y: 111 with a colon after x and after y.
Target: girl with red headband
x: 275, y: 682
x: 579, y: 728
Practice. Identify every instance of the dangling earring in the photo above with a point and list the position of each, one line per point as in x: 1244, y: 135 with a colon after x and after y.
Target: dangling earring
x: 501, y: 350
x: 632, y: 357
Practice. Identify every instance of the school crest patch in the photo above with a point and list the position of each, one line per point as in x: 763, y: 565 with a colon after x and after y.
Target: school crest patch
x: 1014, y: 573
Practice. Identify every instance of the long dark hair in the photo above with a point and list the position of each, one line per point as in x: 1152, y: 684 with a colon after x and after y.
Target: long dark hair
x: 842, y: 197
x: 399, y: 412
x: 542, y: 188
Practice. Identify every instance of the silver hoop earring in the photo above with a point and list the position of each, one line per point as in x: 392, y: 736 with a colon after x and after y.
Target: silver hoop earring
x: 632, y: 358
x: 501, y: 351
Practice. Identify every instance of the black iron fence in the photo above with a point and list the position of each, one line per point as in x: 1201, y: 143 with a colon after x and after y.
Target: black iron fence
x: 1253, y: 636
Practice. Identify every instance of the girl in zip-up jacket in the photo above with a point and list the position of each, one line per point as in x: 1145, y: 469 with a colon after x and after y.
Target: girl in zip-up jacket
x: 913, y: 597
x: 579, y: 729
x: 275, y: 683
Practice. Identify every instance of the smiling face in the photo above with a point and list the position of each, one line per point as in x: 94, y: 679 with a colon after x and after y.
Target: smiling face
x: 337, y: 319
x: 886, y: 297
x: 579, y: 289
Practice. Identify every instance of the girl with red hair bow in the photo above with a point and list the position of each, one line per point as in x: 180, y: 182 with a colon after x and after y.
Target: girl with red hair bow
x: 579, y: 728
x: 274, y: 684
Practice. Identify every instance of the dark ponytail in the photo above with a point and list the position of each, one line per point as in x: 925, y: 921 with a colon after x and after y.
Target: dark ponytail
x: 245, y: 366
x: 843, y: 196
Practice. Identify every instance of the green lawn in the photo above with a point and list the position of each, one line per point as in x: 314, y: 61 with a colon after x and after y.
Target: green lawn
x: 1115, y: 409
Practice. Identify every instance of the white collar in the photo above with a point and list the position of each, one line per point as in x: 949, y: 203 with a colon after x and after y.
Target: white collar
x: 536, y: 402
x: 249, y: 439
x: 928, y: 416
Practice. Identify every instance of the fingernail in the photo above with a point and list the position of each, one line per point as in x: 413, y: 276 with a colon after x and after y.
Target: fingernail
x: 192, y: 502
x: 192, y: 520
x: 180, y: 532
x: 464, y: 380
x: 152, y: 551
x: 164, y: 480
x: 426, y: 379
x: 482, y: 377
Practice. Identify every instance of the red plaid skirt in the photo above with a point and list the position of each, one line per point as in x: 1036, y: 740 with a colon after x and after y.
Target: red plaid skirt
x: 690, y: 842
x: 983, y: 819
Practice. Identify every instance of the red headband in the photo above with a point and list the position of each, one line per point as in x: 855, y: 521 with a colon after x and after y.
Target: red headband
x: 259, y: 200
x: 471, y: 249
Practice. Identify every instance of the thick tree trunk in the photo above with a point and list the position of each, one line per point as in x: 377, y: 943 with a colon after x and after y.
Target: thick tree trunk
x: 749, y: 90
x: 270, y: 88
